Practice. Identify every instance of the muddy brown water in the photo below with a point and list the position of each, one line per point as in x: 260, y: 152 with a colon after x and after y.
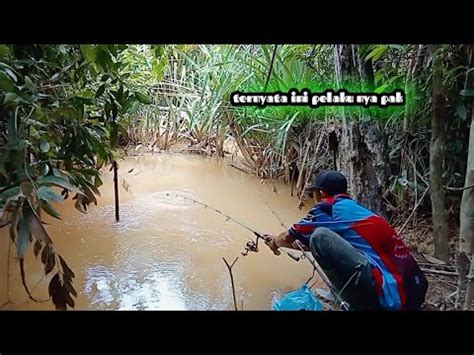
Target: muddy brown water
x: 166, y: 253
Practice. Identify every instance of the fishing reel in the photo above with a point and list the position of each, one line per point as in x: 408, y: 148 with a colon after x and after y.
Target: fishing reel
x: 252, y: 245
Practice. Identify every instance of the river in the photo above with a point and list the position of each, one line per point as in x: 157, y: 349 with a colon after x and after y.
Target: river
x: 166, y: 253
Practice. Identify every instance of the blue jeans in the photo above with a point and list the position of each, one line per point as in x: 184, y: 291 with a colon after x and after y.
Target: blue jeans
x: 341, y: 261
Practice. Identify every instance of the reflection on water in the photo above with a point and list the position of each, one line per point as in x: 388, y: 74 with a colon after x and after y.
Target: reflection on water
x: 166, y: 252
x: 154, y: 290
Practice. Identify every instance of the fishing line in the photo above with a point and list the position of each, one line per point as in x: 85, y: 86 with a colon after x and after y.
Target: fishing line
x: 250, y: 245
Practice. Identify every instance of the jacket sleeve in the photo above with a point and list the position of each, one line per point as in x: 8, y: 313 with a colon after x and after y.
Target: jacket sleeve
x: 303, y: 229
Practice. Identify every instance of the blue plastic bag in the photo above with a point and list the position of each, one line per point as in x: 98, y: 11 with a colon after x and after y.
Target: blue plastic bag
x: 299, y: 300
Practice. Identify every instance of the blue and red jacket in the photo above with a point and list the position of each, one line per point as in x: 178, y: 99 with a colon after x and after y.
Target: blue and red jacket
x: 399, y: 281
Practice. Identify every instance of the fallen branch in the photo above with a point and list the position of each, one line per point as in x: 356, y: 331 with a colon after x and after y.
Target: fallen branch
x: 232, y: 279
x: 440, y: 272
x: 436, y: 265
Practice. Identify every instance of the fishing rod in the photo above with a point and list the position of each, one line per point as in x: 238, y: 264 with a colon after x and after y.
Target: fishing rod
x: 250, y: 245
x: 323, y: 277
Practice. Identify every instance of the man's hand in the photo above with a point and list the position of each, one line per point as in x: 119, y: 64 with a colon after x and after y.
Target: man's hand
x: 272, y: 244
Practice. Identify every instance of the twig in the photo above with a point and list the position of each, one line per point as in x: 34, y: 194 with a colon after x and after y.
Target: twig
x: 459, y: 188
x: 34, y: 287
x: 441, y: 272
x: 239, y: 168
x: 22, y: 272
x: 8, y: 273
x: 445, y: 282
x: 232, y: 279
x: 4, y: 224
x: 312, y: 165
x: 271, y: 67
x: 452, y: 295
x: 414, y: 210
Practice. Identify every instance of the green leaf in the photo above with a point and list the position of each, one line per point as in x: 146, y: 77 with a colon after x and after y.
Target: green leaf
x: 377, y: 52
x: 55, y: 180
x: 158, y: 68
x: 11, y: 74
x: 61, y: 174
x: 26, y: 188
x: 36, y: 227
x: 158, y: 50
x: 467, y: 92
x: 6, y: 83
x: 47, y: 194
x: 10, y: 97
x: 143, y: 98
x: 49, y: 209
x: 89, y: 193
x: 89, y: 52
x: 98, y: 181
x: 397, y: 46
x: 12, y: 193
x: 100, y: 91
x: 378, y: 77
x: 133, y: 110
x: 23, y: 239
x: 4, y: 51
x: 381, y: 88
x: 461, y: 110
x: 28, y: 83
x: 44, y: 146
x: 103, y: 58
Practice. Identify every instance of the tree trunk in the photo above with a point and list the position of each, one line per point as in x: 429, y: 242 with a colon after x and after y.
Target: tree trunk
x: 363, y: 157
x: 438, y: 141
x: 469, y: 304
x: 466, y: 236
x: 364, y: 162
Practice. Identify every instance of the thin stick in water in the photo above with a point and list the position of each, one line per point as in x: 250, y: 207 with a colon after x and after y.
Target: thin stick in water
x: 116, y: 190
x: 232, y: 279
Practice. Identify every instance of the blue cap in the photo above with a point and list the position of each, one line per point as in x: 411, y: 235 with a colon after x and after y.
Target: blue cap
x: 332, y: 182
